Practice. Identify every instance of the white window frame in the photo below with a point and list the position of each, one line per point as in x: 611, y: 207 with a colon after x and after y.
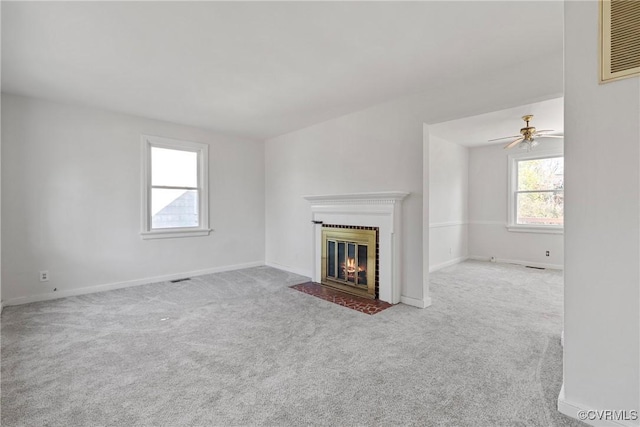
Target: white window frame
x: 202, y: 150
x: 512, y: 224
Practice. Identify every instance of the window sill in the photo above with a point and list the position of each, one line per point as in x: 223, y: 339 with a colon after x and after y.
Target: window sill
x: 542, y: 229
x: 173, y: 233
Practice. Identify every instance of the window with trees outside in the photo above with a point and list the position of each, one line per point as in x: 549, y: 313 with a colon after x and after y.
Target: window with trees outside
x: 175, y: 191
x: 536, y: 196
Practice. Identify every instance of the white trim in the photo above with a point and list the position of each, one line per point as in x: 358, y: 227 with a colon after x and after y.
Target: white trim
x: 171, y: 233
x: 442, y: 265
x: 480, y: 222
x: 518, y: 262
x: 447, y: 224
x: 202, y: 150
x: 380, y: 197
x: 414, y: 302
x: 541, y: 229
x: 382, y: 210
x: 544, y: 229
x: 289, y: 269
x: 127, y: 284
x: 571, y: 409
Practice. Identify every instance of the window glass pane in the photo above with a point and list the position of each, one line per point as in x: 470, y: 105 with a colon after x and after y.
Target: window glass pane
x: 540, y: 208
x: 174, y: 208
x: 541, y: 174
x: 175, y: 168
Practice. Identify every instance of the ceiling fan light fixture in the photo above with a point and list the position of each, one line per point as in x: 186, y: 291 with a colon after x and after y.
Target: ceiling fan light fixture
x: 528, y: 144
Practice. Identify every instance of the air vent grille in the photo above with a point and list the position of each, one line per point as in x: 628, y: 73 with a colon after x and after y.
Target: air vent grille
x: 620, y: 38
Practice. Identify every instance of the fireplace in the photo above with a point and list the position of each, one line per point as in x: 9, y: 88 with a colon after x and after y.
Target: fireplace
x: 381, y: 210
x: 349, y: 259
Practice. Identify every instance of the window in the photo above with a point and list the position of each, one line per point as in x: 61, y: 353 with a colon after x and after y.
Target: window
x: 536, y: 192
x: 175, y: 194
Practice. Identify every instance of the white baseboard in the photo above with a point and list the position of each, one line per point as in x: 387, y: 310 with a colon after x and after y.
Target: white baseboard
x: 289, y: 269
x: 519, y: 262
x: 415, y: 302
x: 572, y: 409
x: 111, y: 286
x: 447, y: 263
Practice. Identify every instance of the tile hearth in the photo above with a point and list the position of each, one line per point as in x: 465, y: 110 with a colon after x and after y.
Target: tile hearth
x: 363, y: 305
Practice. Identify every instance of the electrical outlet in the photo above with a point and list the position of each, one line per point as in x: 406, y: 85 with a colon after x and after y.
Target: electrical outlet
x: 44, y: 276
x: 547, y: 253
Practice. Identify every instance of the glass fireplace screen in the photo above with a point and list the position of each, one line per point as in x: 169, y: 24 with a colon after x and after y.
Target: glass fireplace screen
x: 349, y: 260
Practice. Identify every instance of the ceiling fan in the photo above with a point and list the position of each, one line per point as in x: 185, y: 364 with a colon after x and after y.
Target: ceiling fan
x: 528, y: 135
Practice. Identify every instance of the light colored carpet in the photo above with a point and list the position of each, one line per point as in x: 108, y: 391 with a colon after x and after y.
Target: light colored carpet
x: 241, y: 348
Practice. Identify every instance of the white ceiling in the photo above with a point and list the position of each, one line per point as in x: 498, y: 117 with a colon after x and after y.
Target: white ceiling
x: 478, y: 130
x: 260, y: 69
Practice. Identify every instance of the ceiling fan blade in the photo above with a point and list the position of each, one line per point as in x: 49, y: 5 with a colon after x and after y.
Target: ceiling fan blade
x: 549, y: 136
x: 513, y: 143
x: 504, y: 137
x: 545, y: 130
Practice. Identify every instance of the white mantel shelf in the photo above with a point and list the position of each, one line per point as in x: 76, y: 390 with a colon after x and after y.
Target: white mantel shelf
x: 359, y: 198
x: 379, y: 209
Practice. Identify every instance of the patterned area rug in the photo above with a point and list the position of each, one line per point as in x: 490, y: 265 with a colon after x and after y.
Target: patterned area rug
x: 363, y: 305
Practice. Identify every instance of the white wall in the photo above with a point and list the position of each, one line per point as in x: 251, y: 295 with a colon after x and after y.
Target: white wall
x: 383, y: 146
x: 377, y: 149
x: 71, y: 201
x: 602, y: 233
x: 488, y: 216
x: 448, y: 202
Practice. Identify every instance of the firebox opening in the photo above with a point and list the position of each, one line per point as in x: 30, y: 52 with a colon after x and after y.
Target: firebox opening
x: 350, y: 258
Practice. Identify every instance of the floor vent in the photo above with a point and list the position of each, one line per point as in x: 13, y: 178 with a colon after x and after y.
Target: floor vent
x: 619, y: 39
x: 537, y: 268
x: 180, y: 280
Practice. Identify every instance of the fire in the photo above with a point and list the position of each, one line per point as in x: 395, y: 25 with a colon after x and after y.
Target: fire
x: 350, y: 268
x: 351, y: 265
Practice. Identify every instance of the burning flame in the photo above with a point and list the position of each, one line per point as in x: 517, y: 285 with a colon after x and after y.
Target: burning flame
x: 351, y: 265
x: 350, y: 268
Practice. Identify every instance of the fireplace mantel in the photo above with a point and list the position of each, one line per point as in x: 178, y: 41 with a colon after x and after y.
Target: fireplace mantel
x: 385, y: 197
x: 379, y: 209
